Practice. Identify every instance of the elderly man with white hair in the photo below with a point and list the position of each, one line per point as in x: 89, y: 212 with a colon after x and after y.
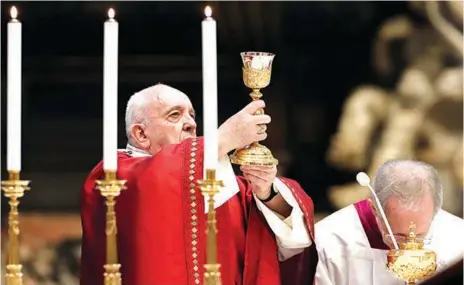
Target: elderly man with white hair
x: 265, y: 224
x: 352, y: 243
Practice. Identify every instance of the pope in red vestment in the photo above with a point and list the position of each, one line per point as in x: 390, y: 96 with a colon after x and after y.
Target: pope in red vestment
x: 161, y: 223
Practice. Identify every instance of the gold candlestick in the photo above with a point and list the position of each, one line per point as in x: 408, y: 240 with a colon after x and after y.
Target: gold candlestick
x: 411, y: 262
x: 257, y: 68
x: 210, y: 187
x: 110, y: 187
x: 13, y: 189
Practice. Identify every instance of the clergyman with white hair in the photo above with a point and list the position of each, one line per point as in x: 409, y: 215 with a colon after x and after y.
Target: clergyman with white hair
x: 352, y: 243
x: 264, y: 223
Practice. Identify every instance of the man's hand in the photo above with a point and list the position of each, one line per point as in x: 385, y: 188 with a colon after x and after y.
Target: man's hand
x: 243, y: 128
x: 260, y: 178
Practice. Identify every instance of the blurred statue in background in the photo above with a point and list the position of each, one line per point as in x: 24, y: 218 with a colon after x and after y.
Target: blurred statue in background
x: 422, y: 118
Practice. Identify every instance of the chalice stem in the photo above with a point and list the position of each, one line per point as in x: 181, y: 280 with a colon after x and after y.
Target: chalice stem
x: 256, y: 94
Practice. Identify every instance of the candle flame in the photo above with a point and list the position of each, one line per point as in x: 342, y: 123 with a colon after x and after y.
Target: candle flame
x: 208, y: 11
x: 111, y: 13
x: 13, y: 12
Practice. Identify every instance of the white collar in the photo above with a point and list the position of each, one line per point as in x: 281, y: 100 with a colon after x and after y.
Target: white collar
x: 135, y: 152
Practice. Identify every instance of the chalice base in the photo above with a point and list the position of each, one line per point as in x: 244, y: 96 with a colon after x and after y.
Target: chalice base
x: 254, y: 155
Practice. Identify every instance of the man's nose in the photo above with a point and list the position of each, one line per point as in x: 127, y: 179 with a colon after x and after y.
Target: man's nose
x: 190, y: 125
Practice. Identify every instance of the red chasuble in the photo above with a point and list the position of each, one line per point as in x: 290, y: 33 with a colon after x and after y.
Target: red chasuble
x: 161, y: 227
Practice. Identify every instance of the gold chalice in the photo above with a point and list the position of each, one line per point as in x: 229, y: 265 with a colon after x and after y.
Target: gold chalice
x: 411, y: 262
x: 257, y: 68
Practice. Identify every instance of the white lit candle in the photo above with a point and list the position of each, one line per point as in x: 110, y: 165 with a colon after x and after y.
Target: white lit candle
x: 14, y: 93
x: 110, y: 93
x: 210, y: 101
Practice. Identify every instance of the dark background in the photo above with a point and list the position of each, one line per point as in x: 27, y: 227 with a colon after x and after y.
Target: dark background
x: 323, y: 50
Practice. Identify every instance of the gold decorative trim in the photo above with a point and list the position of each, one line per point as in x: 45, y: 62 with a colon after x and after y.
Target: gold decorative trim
x: 193, y: 210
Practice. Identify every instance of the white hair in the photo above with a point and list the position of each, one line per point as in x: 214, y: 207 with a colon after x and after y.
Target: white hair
x: 409, y: 181
x: 136, y: 110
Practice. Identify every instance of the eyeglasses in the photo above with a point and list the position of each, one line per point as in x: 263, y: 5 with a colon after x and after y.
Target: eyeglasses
x: 425, y: 240
x: 402, y: 238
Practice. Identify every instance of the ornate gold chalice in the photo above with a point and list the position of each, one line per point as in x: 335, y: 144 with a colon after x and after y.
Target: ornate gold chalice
x: 411, y: 263
x: 257, y: 68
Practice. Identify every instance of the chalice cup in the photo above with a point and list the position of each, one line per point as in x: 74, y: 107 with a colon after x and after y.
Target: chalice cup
x: 257, y: 68
x: 411, y: 263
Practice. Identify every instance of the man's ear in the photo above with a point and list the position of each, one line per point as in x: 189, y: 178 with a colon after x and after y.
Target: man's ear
x: 371, y: 204
x: 139, y: 136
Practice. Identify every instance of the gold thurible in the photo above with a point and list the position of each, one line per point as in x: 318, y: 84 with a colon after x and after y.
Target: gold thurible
x: 110, y: 187
x: 13, y: 189
x: 210, y: 187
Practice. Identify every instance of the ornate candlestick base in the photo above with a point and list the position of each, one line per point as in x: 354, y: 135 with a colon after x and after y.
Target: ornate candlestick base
x: 212, y: 274
x: 112, y: 275
x: 110, y: 187
x: 13, y: 189
x: 411, y: 262
x: 13, y: 275
x: 210, y: 187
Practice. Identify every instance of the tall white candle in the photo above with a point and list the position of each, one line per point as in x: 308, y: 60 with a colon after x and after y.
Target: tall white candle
x: 110, y: 93
x: 210, y: 102
x: 14, y: 93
